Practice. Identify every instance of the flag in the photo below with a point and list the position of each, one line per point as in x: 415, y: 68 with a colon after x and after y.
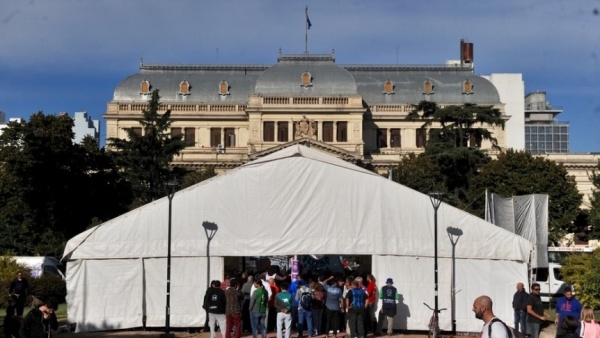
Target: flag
x: 308, y: 24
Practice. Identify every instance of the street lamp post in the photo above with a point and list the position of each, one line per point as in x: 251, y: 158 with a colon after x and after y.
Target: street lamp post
x: 210, y: 229
x: 436, y: 201
x: 170, y: 186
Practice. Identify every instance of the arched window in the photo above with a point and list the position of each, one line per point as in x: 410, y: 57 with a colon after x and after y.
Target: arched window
x: 306, y: 79
x: 427, y: 87
x: 223, y: 88
x: 145, y: 87
x: 388, y: 87
x: 467, y: 87
x: 184, y: 88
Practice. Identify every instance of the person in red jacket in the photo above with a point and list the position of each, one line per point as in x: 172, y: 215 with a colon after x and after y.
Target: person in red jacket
x: 372, y: 293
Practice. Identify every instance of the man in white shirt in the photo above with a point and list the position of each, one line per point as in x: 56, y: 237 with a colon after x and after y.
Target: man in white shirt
x: 482, y: 306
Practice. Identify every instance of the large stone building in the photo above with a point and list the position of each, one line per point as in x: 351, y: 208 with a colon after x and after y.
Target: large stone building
x: 231, y: 114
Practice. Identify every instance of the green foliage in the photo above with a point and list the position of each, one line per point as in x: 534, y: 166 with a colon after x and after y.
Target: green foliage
x: 194, y: 177
x: 145, y: 159
x: 48, y: 286
x: 582, y: 272
x: 518, y: 173
x: 594, y: 214
x: 420, y: 173
x: 48, y: 183
x: 454, y: 139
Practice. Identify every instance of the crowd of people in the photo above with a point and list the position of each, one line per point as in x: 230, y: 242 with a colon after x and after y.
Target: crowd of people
x: 572, y: 319
x: 324, y: 306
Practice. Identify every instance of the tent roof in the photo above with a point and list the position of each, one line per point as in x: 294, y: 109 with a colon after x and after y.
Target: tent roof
x: 297, y: 201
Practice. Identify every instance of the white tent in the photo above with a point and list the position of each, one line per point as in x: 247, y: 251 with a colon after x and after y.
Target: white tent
x: 295, y: 201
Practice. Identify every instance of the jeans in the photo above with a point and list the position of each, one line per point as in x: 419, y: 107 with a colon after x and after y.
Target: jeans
x: 284, y: 319
x: 303, y: 314
x: 214, y: 318
x: 257, y: 320
x: 521, y: 321
x: 534, y: 329
x: 233, y: 321
x: 356, y: 321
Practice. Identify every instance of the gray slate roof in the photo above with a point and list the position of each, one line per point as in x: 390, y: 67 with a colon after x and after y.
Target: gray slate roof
x: 329, y: 79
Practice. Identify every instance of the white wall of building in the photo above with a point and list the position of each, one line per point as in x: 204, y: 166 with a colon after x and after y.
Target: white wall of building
x: 84, y: 125
x: 512, y: 93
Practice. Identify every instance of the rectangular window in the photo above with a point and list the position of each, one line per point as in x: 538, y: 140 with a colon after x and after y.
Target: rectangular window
x: 342, y: 132
x: 269, y: 131
x: 421, y: 138
x: 175, y: 132
x: 327, y: 131
x: 382, y: 138
x: 282, y: 131
x: 137, y: 130
x: 229, y: 137
x: 475, y: 139
x: 215, y: 137
x: 190, y: 137
x: 395, y: 141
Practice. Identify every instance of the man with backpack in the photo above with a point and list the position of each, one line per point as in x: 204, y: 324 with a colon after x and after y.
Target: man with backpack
x: 258, y: 309
x: 214, y: 304
x: 493, y: 327
x: 389, y: 298
x: 304, y: 296
x: 356, y: 305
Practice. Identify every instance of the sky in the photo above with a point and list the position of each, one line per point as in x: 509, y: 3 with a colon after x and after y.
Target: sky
x: 69, y: 55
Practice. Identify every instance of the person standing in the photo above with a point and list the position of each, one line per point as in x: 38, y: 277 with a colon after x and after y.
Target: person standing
x: 214, y: 304
x: 246, y: 290
x: 40, y: 321
x: 535, y: 311
x: 283, y: 305
x: 588, y: 328
x: 333, y: 306
x: 492, y: 327
x: 258, y: 309
x: 18, y: 290
x: 389, y: 299
x: 567, y: 305
x: 519, y: 305
x: 304, y: 297
x: 356, y: 304
x: 271, y: 311
x: 233, y: 311
x: 372, y: 293
x: 317, y: 307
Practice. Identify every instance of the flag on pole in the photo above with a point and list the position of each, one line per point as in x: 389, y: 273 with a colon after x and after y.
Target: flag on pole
x: 308, y: 24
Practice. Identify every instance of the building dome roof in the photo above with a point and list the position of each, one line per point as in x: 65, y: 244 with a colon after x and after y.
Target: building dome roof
x: 324, y: 77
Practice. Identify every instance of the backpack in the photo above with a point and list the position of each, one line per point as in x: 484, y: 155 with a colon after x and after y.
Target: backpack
x: 512, y: 333
x: 306, y: 300
x: 358, y: 298
x: 262, y: 301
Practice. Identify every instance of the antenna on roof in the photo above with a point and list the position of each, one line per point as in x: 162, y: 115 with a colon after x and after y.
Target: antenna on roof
x: 141, y: 62
x: 217, y: 54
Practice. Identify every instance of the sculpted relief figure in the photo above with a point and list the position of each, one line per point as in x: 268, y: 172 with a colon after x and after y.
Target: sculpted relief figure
x: 306, y: 128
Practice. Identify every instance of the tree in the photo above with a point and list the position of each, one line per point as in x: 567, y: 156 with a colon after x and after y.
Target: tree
x: 517, y: 173
x: 49, y: 186
x: 145, y: 157
x: 582, y: 272
x: 420, y: 173
x: 594, y: 213
x: 455, y: 145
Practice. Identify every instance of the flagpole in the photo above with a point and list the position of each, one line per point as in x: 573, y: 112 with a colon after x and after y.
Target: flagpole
x: 306, y: 30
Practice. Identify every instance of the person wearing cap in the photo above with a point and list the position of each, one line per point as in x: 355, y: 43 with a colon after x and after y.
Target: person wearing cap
x: 40, y: 321
x: 389, y: 298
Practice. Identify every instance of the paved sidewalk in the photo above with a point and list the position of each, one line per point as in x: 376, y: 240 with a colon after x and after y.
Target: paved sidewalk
x: 549, y: 331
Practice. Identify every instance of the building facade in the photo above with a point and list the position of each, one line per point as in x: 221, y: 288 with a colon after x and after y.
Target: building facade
x: 544, y: 134
x: 231, y: 114
x: 84, y: 126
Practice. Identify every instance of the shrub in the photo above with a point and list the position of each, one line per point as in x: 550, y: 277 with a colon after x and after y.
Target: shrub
x: 582, y: 272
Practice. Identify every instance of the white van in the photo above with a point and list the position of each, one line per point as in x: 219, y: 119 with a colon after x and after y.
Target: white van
x: 41, y: 265
x: 550, y: 279
x: 551, y: 284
